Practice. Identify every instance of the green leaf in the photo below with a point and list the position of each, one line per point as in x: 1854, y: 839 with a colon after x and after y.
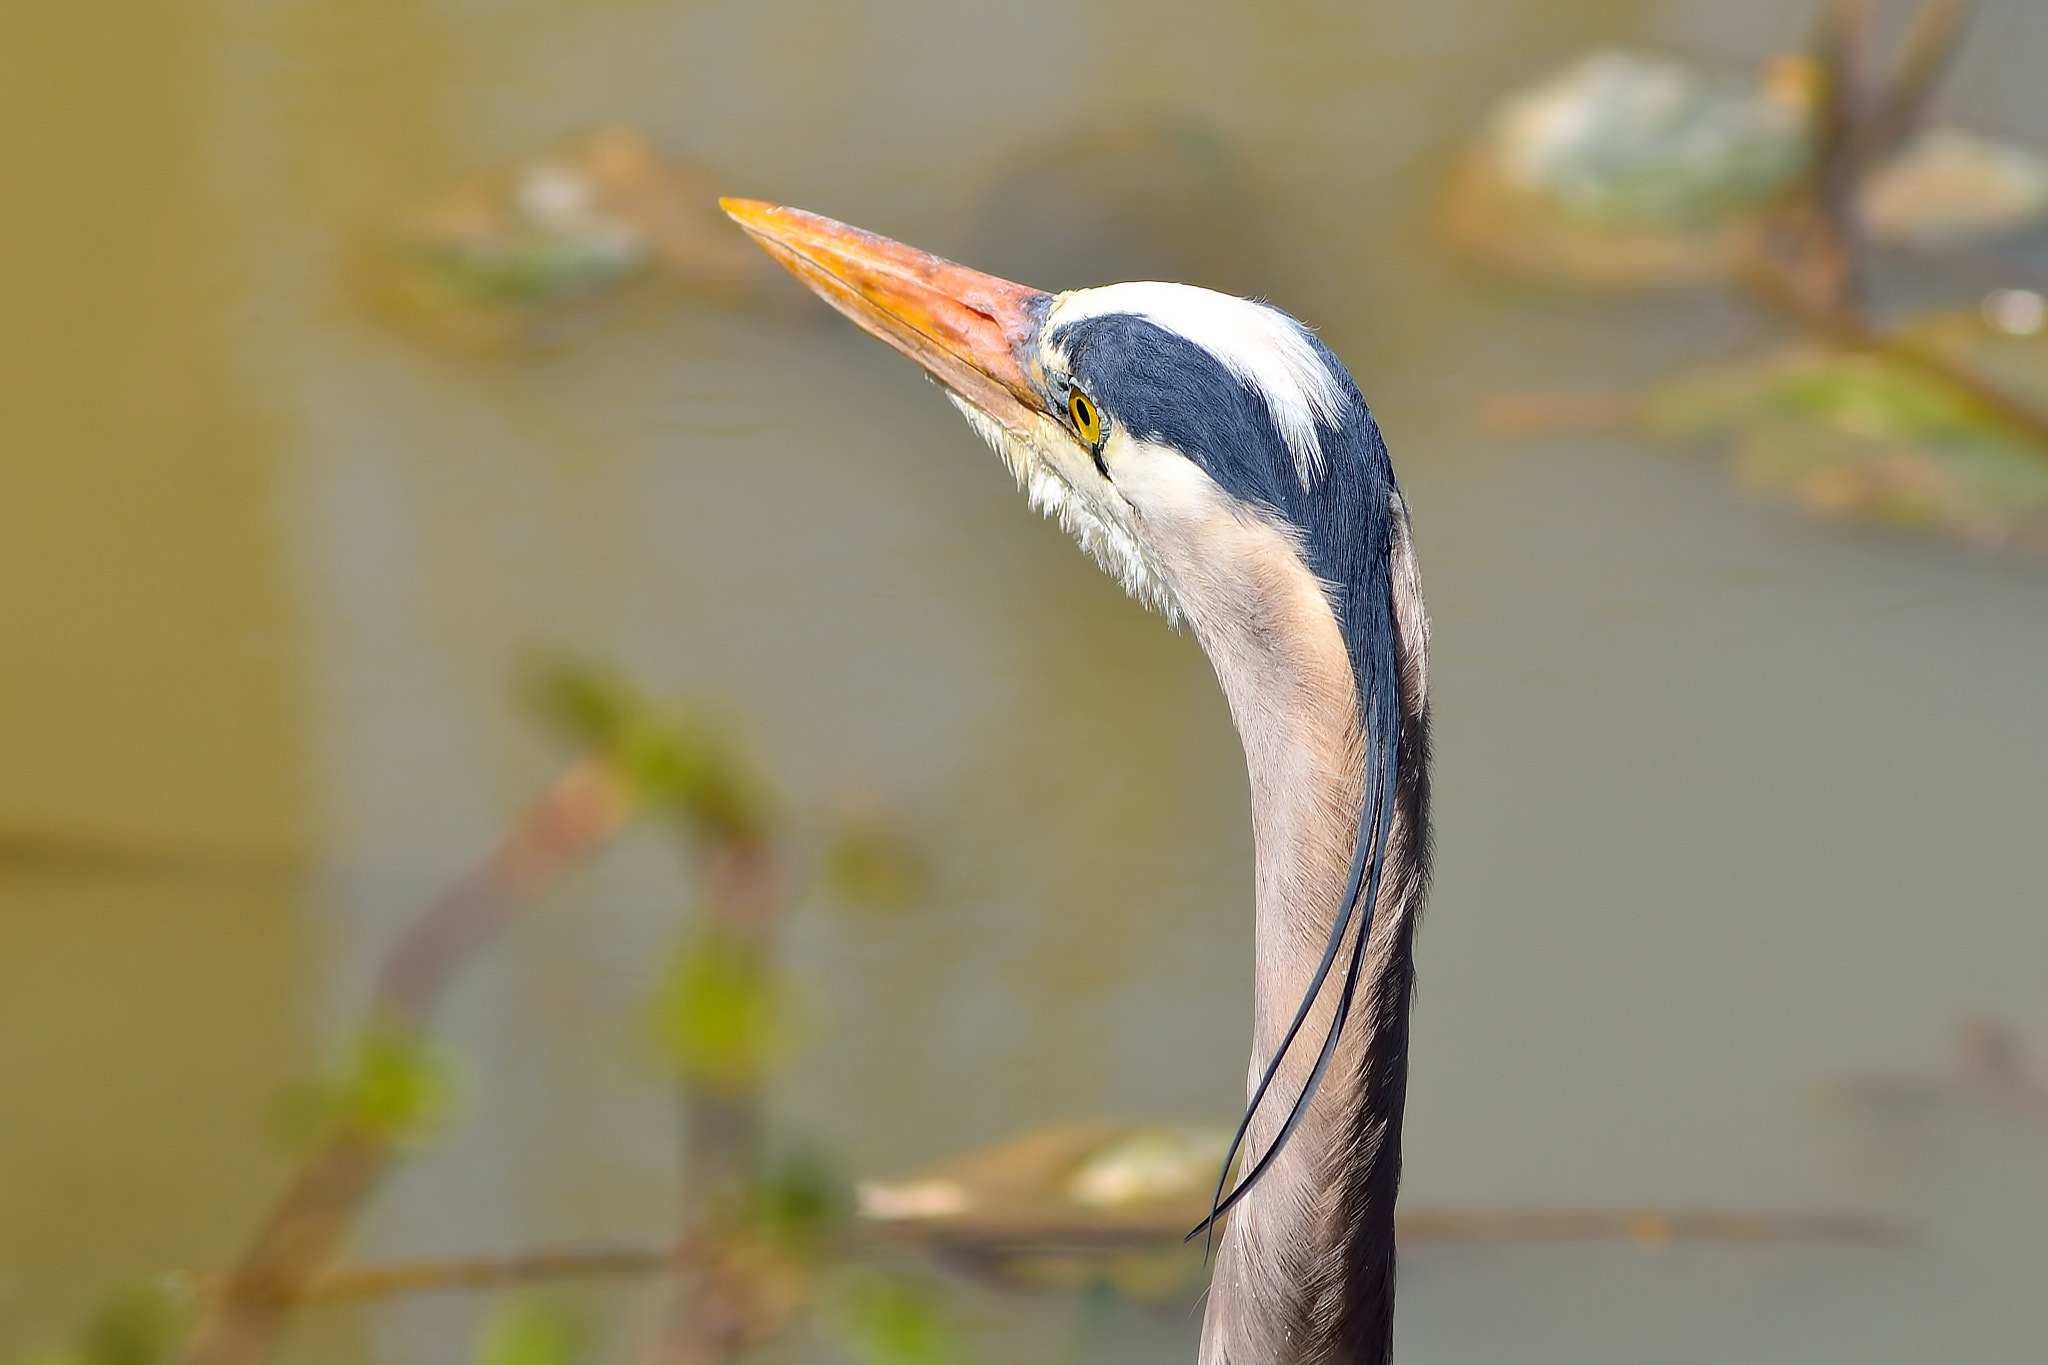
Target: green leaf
x: 678, y: 759
x: 524, y: 270
x: 1876, y: 437
x: 392, y: 1086
x: 720, y: 1014
x: 801, y: 1205
x: 141, y: 1325
x: 533, y: 1329
x: 397, y: 1086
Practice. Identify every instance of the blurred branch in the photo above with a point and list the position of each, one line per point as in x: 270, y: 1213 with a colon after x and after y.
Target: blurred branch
x: 582, y: 810
x: 728, y: 1004
x: 1930, y: 44
x: 1850, y: 331
x: 718, y: 1013
x: 1809, y: 255
x: 1644, y: 1227
x: 1808, y: 259
x: 1814, y: 244
x: 353, y: 1283
x: 718, y: 1010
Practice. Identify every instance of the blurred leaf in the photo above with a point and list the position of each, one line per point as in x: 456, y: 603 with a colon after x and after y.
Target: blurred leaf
x: 1874, y: 437
x: 397, y: 1086
x: 801, y: 1205
x: 141, y: 1325
x: 720, y: 1014
x: 393, y: 1086
x: 679, y: 759
x: 532, y: 269
x: 524, y: 252
x: 533, y: 1329
x: 890, y: 1319
x: 868, y: 860
x: 1857, y: 395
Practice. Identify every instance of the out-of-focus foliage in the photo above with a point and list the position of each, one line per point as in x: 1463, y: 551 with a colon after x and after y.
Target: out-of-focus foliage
x: 886, y: 1318
x: 868, y: 861
x: 538, y: 1328
x: 392, y: 1086
x: 801, y: 1206
x: 140, y: 1325
x: 720, y: 1013
x: 521, y: 254
x: 681, y: 760
x: 757, y: 1234
x: 1873, y: 436
x: 1629, y: 170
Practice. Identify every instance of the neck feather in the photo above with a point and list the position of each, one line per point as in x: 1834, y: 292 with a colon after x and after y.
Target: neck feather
x: 1305, y: 1270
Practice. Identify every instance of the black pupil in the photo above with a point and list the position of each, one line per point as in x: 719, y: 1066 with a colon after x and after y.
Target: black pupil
x: 1081, y: 412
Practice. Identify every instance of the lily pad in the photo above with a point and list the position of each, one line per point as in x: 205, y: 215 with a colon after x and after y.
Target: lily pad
x: 1951, y: 186
x: 1875, y: 436
x: 1632, y: 140
x: 525, y: 252
x: 1628, y: 169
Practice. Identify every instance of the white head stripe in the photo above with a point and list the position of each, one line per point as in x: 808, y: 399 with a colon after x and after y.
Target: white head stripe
x: 1259, y: 344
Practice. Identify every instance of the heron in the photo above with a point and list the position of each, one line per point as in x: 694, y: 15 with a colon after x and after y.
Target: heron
x: 1217, y: 459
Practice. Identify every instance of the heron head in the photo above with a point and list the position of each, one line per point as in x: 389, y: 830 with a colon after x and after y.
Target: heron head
x: 1216, y: 458
x: 1187, y: 438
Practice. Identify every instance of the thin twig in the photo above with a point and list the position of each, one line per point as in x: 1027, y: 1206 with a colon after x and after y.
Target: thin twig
x: 350, y: 1283
x: 1645, y: 1227
x: 1930, y: 44
x: 1853, y: 334
x: 584, y: 808
x: 1808, y: 260
x: 722, y: 1307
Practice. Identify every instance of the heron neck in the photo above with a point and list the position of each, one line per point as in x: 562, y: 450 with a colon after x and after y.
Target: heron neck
x: 1305, y: 1268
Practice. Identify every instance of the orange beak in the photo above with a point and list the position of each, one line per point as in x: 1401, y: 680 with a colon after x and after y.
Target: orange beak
x: 974, y: 333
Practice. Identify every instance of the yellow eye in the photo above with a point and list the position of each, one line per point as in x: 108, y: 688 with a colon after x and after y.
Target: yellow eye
x: 1087, y: 419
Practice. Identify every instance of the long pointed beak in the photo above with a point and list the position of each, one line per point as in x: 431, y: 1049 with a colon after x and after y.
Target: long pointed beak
x: 974, y: 333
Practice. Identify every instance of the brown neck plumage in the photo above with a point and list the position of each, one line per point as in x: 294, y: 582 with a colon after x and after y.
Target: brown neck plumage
x: 1305, y: 1268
